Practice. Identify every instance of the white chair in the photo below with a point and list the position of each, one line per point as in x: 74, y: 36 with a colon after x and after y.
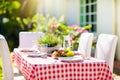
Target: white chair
x: 105, y: 48
x: 27, y: 39
x: 85, y: 44
x: 8, y: 71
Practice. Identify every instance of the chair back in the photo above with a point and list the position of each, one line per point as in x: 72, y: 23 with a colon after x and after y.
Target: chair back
x: 85, y: 44
x: 105, y: 48
x: 6, y: 60
x: 28, y: 39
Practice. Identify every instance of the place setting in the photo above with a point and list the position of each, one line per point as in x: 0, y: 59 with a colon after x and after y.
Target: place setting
x: 33, y: 53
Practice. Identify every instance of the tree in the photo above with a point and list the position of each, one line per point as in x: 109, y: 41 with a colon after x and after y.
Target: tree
x: 12, y: 19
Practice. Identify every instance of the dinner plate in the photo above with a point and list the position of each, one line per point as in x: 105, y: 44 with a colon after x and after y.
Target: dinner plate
x: 35, y: 54
x: 71, y: 59
x: 27, y: 50
x: 31, y: 53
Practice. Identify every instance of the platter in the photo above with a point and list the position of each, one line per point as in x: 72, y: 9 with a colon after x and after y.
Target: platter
x: 71, y: 59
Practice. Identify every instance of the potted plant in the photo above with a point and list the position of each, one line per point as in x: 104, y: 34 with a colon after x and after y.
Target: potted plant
x: 53, y: 42
x: 56, y: 29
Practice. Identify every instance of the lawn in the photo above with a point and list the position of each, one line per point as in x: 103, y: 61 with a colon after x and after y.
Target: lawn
x: 0, y: 68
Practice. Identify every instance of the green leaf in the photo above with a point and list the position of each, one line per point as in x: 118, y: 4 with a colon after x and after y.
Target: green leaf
x: 15, y: 5
x: 88, y: 26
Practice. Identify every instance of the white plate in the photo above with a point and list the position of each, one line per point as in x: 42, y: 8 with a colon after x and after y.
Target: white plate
x: 35, y: 54
x: 27, y: 50
x: 71, y: 59
x: 32, y: 53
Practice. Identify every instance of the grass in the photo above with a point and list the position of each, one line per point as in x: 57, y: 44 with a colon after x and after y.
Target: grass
x: 1, y: 77
x: 116, y: 77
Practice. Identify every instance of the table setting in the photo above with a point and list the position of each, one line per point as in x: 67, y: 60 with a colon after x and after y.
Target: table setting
x: 64, y: 55
x: 35, y: 65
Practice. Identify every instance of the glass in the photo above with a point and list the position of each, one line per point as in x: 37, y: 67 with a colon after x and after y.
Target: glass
x: 35, y: 45
x: 67, y: 42
x: 43, y: 48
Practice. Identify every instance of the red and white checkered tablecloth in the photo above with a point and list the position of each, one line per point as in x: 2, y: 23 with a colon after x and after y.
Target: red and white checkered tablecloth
x: 51, y: 69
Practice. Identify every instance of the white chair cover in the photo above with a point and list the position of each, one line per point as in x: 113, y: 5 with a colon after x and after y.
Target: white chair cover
x: 85, y: 44
x: 105, y: 48
x: 28, y: 39
x: 6, y: 61
x: 9, y: 73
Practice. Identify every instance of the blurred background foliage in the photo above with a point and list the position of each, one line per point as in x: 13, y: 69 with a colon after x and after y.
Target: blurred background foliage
x: 15, y: 16
x: 20, y: 15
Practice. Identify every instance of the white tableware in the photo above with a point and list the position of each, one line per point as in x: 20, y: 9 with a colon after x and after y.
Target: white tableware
x: 71, y: 59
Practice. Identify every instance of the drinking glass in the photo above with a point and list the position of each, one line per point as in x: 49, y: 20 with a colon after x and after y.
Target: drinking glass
x: 67, y: 42
x: 43, y: 49
x: 35, y: 45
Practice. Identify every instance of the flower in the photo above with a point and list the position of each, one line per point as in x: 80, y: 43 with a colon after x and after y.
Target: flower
x: 53, y: 26
x: 55, y: 29
x: 76, y: 32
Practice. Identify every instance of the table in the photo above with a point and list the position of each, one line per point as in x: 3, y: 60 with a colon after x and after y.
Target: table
x: 36, y: 68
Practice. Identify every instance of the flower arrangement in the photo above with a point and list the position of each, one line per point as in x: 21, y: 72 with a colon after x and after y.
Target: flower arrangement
x: 76, y: 32
x: 55, y: 29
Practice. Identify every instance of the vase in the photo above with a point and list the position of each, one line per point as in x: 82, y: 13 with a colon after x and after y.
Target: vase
x: 43, y: 48
x: 52, y: 49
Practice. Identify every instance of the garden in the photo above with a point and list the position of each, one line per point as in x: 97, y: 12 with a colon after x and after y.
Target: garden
x: 16, y: 17
x: 13, y: 20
